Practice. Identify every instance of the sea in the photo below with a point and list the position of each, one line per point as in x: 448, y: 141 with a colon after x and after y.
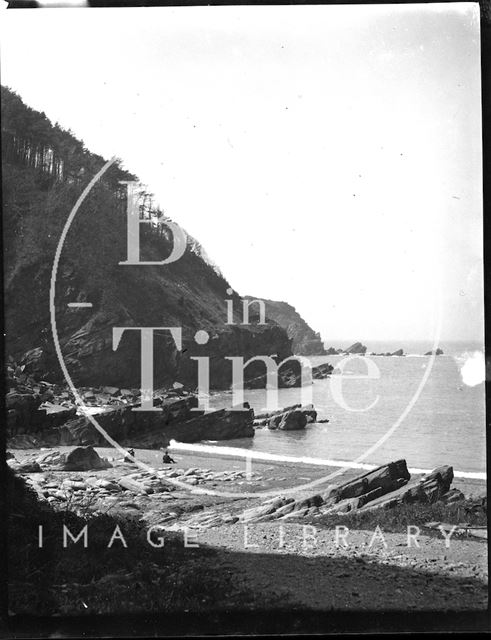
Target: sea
x: 415, y: 407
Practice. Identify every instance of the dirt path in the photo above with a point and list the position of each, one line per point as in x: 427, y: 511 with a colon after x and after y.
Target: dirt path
x: 358, y: 577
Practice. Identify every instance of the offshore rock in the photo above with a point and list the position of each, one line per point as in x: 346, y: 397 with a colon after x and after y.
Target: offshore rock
x: 356, y: 348
x: 289, y: 421
x: 290, y: 375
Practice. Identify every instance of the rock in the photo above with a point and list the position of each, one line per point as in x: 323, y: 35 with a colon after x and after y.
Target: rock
x: 51, y: 459
x: 261, y: 416
x: 338, y: 498
x: 331, y: 351
x: 34, y: 361
x: 454, y: 495
x: 224, y: 424
x: 22, y: 408
x: 289, y: 421
x: 443, y: 475
x: 322, y: 371
x: 112, y: 391
x: 128, y: 427
x: 56, y: 414
x: 23, y: 467
x: 132, y: 485
x: 310, y: 413
x: 84, y: 459
x: 264, y: 510
x: 305, y: 341
x: 438, y: 352
x: 429, y: 488
x: 356, y: 348
x: 399, y: 352
x: 74, y: 484
x: 22, y: 402
x: 289, y: 376
x: 387, y: 478
x: 24, y: 441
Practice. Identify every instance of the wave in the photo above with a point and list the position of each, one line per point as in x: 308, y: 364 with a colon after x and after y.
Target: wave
x: 273, y: 457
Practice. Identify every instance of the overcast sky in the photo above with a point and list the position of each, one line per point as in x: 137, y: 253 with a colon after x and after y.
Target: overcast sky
x: 325, y: 156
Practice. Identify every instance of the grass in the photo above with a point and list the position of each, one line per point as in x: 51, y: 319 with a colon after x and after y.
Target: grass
x: 396, y: 519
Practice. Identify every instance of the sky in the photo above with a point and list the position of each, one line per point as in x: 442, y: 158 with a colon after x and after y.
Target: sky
x: 327, y: 156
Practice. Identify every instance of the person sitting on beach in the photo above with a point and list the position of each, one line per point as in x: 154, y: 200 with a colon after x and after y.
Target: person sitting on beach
x: 131, y: 452
x: 166, y: 459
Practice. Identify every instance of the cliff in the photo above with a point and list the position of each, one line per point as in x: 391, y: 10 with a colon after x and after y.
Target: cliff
x: 45, y: 169
x: 305, y: 341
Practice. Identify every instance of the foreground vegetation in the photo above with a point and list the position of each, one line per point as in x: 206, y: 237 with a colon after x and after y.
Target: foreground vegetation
x: 398, y: 518
x: 53, y: 580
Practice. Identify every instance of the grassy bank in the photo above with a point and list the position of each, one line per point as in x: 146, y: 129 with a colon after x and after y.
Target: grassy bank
x: 397, y: 519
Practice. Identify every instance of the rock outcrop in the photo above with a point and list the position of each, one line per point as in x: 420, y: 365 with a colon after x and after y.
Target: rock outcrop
x: 383, y: 487
x: 54, y: 422
x: 305, y: 341
x: 437, y: 352
x: 173, y: 420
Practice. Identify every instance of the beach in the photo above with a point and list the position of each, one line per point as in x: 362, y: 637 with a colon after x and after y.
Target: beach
x: 299, y: 563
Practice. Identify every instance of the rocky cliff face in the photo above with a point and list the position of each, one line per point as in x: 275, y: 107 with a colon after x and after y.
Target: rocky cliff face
x: 305, y: 341
x: 45, y: 169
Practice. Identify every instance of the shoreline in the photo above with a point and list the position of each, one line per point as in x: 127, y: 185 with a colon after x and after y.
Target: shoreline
x: 265, y: 471
x: 238, y: 453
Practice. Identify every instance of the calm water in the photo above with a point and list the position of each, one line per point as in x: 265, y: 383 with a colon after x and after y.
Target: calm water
x: 446, y: 425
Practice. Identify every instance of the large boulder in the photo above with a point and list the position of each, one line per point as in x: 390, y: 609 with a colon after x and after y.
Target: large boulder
x: 399, y: 352
x: 84, y: 459
x: 438, y: 352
